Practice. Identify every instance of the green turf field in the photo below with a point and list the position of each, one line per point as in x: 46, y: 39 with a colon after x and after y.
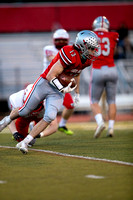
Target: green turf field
x: 41, y: 175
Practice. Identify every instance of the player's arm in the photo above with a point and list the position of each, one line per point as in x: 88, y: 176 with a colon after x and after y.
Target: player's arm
x: 12, y: 127
x: 49, y: 53
x: 53, y: 74
x: 77, y: 78
x: 50, y: 58
x: 55, y: 71
x: 52, y: 77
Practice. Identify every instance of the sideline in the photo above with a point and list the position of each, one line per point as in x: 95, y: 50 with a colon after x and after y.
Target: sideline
x: 75, y: 156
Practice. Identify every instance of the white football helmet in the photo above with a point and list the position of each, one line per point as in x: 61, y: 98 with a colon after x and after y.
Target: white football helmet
x: 26, y: 91
x: 101, y: 23
x: 61, y: 38
x: 87, y: 43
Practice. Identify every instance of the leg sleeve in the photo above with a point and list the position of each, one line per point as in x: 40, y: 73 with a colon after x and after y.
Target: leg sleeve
x: 96, y: 86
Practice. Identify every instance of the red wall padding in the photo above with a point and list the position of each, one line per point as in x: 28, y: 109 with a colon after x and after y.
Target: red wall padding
x: 44, y: 17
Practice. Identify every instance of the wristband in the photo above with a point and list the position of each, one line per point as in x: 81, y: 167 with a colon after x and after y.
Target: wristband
x: 56, y: 83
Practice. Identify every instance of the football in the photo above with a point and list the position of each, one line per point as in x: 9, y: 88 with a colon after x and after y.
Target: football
x: 65, y: 80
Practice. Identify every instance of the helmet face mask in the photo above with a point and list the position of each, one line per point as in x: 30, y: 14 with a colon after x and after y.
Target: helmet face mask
x: 87, y: 43
x: 59, y: 43
x: 101, y: 23
x: 60, y: 38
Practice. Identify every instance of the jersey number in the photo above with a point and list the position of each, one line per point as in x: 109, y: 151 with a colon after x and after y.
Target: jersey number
x: 106, y: 44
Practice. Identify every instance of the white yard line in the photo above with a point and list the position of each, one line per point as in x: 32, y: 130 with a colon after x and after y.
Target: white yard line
x: 76, y: 156
x: 3, y: 182
x: 94, y: 176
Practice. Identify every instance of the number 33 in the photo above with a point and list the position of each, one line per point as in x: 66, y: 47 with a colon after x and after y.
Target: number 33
x: 106, y: 44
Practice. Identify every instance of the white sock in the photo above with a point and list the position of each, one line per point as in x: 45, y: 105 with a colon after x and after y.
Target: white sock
x: 28, y: 139
x: 111, y: 123
x: 41, y: 134
x: 62, y: 122
x: 98, y: 118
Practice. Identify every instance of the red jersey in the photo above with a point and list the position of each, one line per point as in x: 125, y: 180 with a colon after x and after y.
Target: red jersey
x: 108, y: 41
x: 71, y: 61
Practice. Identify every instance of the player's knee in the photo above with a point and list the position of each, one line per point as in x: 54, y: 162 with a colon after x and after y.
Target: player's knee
x: 50, y: 117
x: 110, y: 101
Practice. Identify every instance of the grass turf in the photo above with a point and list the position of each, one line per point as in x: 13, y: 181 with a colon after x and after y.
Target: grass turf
x: 39, y: 176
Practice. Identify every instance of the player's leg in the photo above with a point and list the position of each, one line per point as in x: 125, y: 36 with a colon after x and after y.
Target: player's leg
x: 8, y: 119
x: 103, y: 105
x: 66, y: 114
x: 111, y: 96
x: 32, y: 101
x: 52, y: 128
x: 96, y: 90
x: 111, y: 122
x: 53, y: 104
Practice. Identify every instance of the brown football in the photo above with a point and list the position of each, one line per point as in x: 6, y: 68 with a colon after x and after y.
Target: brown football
x: 65, y: 80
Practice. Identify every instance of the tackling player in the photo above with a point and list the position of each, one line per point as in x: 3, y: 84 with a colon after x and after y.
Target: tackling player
x: 70, y: 60
x: 104, y: 75
x: 60, y: 39
x: 20, y: 127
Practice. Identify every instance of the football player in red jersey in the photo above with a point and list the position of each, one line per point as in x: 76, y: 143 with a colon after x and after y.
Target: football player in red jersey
x: 71, y: 60
x: 20, y: 127
x: 60, y: 39
x: 104, y: 75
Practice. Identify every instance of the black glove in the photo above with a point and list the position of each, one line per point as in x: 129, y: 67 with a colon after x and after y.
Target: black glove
x: 38, y: 136
x: 18, y: 137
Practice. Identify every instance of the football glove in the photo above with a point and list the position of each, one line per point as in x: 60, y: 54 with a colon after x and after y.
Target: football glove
x: 68, y: 88
x: 18, y: 137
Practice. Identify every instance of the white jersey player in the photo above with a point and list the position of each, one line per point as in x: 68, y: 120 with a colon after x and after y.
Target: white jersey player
x: 19, y: 128
x: 49, y: 52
